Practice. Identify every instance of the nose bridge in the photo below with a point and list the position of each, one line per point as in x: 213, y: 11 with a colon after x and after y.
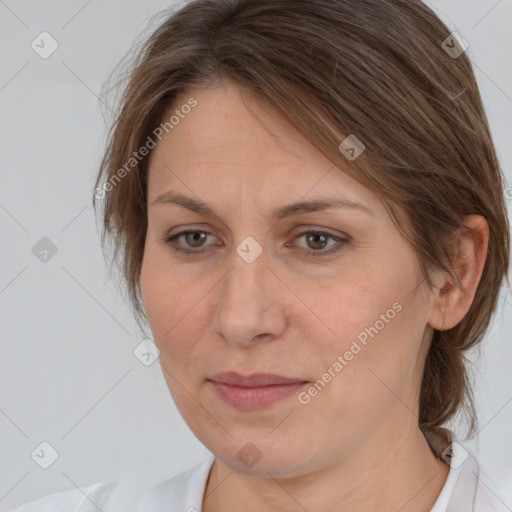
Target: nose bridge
x: 247, y: 306
x: 244, y: 288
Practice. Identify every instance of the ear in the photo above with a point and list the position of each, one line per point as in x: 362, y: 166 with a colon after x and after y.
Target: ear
x: 450, y: 304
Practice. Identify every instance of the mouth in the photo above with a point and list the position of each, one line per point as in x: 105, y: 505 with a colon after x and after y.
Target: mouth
x: 247, y: 392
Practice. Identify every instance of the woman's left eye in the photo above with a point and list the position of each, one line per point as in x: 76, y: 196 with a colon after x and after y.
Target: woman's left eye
x: 314, y: 238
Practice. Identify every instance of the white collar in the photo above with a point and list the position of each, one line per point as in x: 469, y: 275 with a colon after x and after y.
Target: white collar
x: 458, y: 492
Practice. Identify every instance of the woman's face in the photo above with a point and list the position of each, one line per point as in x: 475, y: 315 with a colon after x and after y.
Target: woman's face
x: 342, y: 311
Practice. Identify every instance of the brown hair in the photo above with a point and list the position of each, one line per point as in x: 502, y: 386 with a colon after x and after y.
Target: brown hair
x: 374, y: 68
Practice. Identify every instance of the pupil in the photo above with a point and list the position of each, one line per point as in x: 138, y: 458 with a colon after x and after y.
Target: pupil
x: 195, y: 239
x: 317, y: 236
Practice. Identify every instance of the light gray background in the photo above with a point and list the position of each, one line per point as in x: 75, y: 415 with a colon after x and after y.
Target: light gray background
x: 67, y: 369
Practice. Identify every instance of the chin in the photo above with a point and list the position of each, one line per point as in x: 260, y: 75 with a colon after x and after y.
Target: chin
x: 259, y: 456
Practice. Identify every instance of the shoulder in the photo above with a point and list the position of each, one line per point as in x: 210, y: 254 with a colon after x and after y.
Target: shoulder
x: 85, y: 499
x: 182, y: 492
x: 488, y: 497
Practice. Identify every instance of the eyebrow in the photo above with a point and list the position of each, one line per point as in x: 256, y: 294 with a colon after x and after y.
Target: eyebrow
x: 315, y: 205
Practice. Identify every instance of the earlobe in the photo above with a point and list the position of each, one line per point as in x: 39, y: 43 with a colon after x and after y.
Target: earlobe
x: 451, y: 303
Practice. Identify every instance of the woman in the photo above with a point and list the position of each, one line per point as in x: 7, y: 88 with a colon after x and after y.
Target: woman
x: 306, y: 204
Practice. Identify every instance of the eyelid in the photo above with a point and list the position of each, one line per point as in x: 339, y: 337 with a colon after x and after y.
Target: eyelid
x: 174, y: 237
x: 317, y: 229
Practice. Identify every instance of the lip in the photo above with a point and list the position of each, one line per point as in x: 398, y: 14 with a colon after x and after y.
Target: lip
x: 254, y: 391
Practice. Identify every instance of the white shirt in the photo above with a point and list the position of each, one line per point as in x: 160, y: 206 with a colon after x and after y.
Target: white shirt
x: 466, y: 489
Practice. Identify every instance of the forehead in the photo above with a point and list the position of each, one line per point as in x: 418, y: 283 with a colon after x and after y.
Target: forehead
x: 229, y: 123
x: 232, y: 143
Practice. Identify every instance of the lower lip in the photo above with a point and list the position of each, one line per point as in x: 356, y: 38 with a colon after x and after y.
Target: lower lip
x: 255, y: 398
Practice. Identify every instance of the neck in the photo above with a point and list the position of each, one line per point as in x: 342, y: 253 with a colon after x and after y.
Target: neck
x: 396, y: 473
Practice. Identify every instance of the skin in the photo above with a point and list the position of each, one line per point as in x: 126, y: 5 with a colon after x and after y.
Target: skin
x: 356, y: 445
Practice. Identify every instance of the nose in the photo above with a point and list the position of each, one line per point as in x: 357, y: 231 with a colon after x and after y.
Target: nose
x: 250, y: 308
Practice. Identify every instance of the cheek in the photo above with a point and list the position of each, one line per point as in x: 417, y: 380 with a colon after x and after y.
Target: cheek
x: 375, y: 324
x: 173, y: 306
x: 351, y: 305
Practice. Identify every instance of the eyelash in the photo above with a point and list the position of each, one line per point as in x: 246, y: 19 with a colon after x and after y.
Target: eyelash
x: 341, y: 242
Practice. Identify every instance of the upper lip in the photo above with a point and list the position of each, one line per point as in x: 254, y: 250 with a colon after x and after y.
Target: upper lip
x: 254, y: 380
